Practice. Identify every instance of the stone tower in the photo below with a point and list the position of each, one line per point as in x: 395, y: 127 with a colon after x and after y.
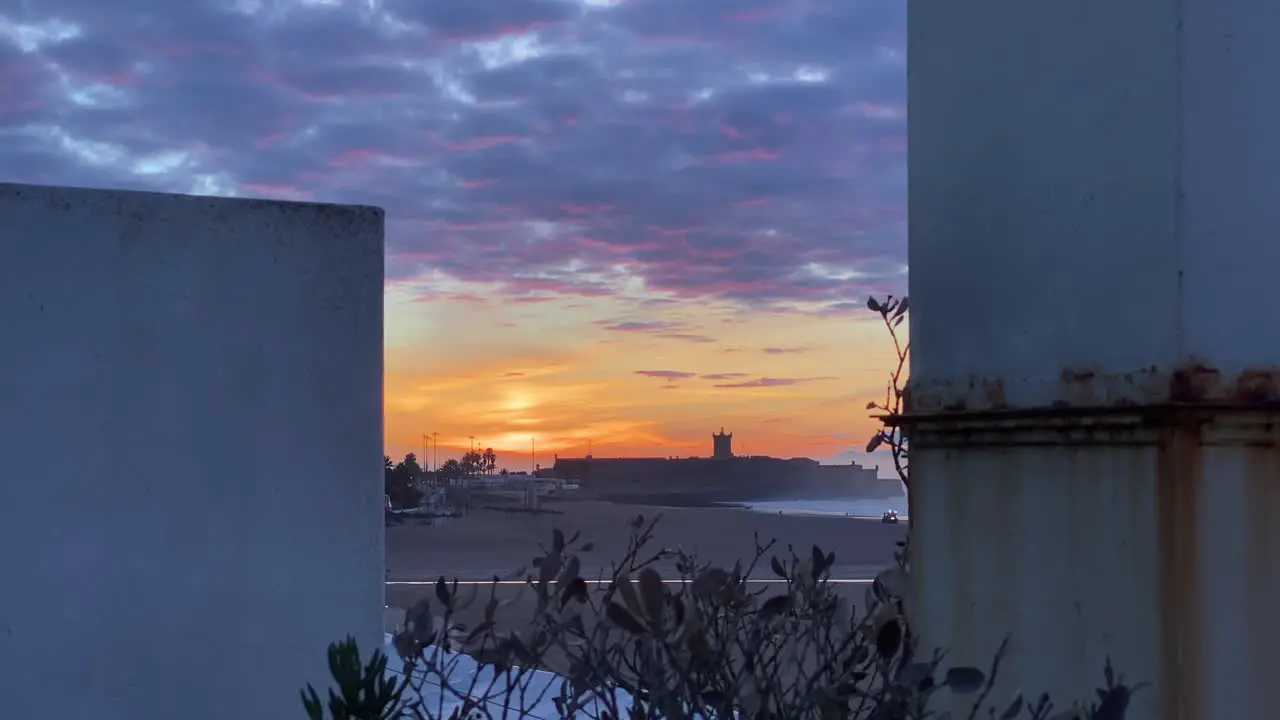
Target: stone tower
x: 723, y: 445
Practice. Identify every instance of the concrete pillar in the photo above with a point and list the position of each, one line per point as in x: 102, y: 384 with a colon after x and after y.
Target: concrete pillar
x: 191, y: 437
x: 1094, y: 202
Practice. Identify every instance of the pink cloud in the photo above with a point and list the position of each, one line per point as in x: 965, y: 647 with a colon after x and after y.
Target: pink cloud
x: 765, y: 382
x: 742, y: 156
x: 480, y: 143
x: 664, y: 374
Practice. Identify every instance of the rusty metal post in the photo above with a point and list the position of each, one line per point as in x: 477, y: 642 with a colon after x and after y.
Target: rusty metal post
x: 1094, y: 408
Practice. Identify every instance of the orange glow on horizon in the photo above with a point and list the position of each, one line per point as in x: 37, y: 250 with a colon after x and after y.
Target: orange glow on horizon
x: 568, y: 378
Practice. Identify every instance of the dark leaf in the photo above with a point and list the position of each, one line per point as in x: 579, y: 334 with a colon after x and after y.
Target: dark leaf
x: 419, y: 620
x: 572, y: 569
x: 651, y: 593
x: 778, y: 570
x: 965, y: 680
x: 619, y: 616
x: 889, y: 639
x: 903, y: 304
x: 548, y: 569
x: 871, y: 405
x: 442, y: 592
x: 1114, y: 704
x: 587, y: 547
x: 629, y: 597
x: 575, y: 589
x: 774, y: 607
x: 406, y: 646
x: 873, y: 305
x: 709, y: 581
x: 819, y: 562
x: 876, y: 442
x: 557, y: 540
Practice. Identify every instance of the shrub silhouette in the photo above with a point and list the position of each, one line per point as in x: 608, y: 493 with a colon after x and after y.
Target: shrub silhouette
x: 631, y: 645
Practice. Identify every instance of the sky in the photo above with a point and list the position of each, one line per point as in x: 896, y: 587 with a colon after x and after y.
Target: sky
x: 613, y: 226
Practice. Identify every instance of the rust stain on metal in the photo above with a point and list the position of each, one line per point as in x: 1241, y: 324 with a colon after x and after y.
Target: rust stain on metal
x: 1084, y: 390
x: 993, y: 391
x: 1071, y: 376
x: 1260, y: 597
x: 1179, y: 474
x: 1256, y: 386
x: 1194, y: 383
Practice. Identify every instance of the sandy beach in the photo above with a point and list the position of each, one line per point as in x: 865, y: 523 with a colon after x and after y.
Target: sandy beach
x: 492, y: 542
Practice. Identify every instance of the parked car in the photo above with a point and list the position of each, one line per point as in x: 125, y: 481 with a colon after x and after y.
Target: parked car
x: 890, y: 517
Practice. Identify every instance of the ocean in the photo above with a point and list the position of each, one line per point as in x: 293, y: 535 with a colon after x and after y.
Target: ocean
x: 873, y: 508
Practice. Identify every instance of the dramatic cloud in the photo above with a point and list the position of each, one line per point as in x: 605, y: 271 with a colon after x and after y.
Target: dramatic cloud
x: 773, y: 382
x: 730, y: 149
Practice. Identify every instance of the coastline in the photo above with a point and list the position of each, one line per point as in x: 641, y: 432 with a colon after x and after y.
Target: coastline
x: 709, y: 499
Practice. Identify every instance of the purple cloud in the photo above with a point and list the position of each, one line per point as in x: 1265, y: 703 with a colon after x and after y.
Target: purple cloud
x: 658, y: 328
x: 664, y: 374
x: 725, y: 149
x: 773, y: 382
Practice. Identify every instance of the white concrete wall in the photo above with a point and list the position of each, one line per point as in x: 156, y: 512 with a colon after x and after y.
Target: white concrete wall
x: 191, y: 437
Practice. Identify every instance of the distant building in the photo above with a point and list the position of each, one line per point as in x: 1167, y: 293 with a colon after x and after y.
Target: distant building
x: 722, y: 445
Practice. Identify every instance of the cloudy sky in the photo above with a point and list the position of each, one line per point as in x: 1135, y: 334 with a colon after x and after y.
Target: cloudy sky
x: 616, y: 222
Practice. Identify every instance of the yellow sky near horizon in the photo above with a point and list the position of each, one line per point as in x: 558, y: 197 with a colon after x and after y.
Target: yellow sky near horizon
x: 566, y: 374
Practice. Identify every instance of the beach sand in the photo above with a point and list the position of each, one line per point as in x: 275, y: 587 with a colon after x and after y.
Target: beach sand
x: 492, y: 542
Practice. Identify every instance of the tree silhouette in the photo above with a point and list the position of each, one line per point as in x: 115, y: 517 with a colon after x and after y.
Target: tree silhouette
x: 451, y: 469
x: 399, y: 481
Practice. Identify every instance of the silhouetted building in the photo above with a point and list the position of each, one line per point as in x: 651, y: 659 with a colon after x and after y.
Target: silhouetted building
x: 723, y: 445
x: 723, y: 477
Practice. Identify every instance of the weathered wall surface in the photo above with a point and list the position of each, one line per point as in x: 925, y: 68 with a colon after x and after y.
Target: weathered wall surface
x: 191, y: 432
x: 1095, y: 387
